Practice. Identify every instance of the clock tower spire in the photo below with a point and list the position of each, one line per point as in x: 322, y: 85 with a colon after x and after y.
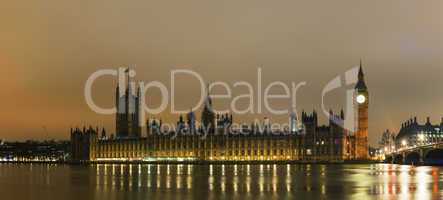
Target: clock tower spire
x: 361, y: 102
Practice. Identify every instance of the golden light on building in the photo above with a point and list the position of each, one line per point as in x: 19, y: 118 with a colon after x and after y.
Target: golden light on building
x: 331, y: 143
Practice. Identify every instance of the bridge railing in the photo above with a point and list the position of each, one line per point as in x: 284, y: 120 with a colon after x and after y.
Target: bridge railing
x: 409, y: 148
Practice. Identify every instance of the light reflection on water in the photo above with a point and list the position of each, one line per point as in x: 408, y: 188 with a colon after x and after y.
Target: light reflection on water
x: 117, y: 181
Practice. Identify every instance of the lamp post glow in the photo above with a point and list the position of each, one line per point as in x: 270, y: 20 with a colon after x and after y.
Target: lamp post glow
x: 421, y: 138
x: 404, y: 143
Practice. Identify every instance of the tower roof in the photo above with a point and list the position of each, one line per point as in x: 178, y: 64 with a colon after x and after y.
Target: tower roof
x: 360, y: 71
x: 208, y: 96
x: 361, y: 79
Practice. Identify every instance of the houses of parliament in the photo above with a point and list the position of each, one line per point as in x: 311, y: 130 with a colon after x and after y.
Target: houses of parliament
x: 214, y: 141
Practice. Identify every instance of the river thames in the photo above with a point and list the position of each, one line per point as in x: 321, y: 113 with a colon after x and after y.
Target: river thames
x: 148, y: 181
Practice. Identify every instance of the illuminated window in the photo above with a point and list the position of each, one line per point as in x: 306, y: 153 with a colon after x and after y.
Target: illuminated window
x: 308, y: 152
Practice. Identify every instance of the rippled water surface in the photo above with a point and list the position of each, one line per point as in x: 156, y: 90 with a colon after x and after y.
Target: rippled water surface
x: 143, y: 181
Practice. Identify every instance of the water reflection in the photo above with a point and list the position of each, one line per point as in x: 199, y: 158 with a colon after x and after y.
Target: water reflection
x: 111, y: 181
x: 341, y: 181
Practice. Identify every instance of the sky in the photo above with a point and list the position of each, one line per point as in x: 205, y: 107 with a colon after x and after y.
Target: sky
x: 50, y: 48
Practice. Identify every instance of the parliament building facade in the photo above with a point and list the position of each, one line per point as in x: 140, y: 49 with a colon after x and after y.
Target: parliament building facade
x: 214, y: 140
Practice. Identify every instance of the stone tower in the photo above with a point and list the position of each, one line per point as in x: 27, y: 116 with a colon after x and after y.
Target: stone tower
x: 208, y: 115
x: 127, y: 123
x: 361, y: 102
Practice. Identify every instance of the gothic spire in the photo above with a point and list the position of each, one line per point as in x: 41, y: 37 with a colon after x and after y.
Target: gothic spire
x: 208, y: 102
x: 361, y: 75
x: 127, y: 73
x: 361, y: 85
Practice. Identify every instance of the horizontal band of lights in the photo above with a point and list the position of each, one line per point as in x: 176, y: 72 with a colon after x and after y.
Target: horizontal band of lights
x: 28, y: 160
x: 178, y: 159
x: 249, y: 158
x: 119, y: 159
x: 148, y: 159
x: 184, y: 159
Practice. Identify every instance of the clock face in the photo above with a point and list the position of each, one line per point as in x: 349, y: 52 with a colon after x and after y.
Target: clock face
x: 361, y: 99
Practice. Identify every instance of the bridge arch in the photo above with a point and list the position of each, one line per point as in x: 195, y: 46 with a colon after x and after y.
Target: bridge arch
x: 389, y: 159
x: 434, y: 157
x: 398, y: 159
x: 412, y: 158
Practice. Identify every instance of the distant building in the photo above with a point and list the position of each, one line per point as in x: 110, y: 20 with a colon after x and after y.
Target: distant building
x: 320, y: 143
x: 127, y: 119
x: 34, y: 151
x: 191, y: 122
x: 208, y: 115
x: 215, y: 140
x: 387, y: 142
x: 82, y: 143
x: 414, y: 134
x: 294, y: 126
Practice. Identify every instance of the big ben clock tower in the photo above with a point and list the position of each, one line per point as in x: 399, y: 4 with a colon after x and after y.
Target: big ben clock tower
x: 361, y: 102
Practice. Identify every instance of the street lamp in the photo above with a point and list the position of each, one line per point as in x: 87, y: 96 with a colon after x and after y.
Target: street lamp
x: 404, y: 143
x: 421, y: 138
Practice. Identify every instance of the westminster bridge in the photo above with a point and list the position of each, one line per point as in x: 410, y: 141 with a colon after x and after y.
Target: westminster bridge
x: 426, y: 154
